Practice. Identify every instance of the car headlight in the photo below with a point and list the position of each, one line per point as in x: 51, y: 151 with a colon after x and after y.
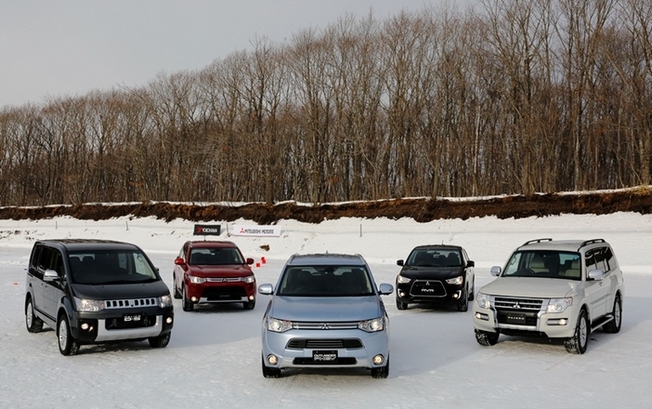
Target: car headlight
x: 484, y: 301
x: 557, y: 305
x: 86, y: 305
x: 197, y: 280
x: 402, y: 280
x: 275, y: 325
x: 374, y: 325
x: 249, y: 279
x: 455, y: 281
x: 165, y: 301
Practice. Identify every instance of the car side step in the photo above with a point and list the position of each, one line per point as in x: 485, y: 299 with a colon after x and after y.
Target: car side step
x: 597, y: 324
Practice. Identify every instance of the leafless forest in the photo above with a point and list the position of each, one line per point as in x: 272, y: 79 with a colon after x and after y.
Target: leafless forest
x: 515, y: 97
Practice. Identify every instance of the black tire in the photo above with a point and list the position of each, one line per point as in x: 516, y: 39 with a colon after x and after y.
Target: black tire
x: 161, y: 341
x: 67, y: 344
x: 401, y: 305
x: 270, y: 372
x: 471, y: 296
x: 613, y: 326
x: 186, y: 305
x: 463, y: 306
x: 486, y: 338
x: 382, y: 372
x: 249, y: 305
x: 177, y: 294
x: 578, y: 342
x: 33, y: 323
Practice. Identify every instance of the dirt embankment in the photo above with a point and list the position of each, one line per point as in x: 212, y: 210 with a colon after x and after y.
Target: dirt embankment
x: 420, y: 209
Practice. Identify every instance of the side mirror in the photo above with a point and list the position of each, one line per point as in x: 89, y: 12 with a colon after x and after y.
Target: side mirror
x: 50, y: 276
x: 386, y: 289
x: 266, y: 289
x: 399, y: 263
x: 596, y: 274
x: 471, y: 263
x: 179, y: 261
x: 495, y: 271
x: 249, y: 261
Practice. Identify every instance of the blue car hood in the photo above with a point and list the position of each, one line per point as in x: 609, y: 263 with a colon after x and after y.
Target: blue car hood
x: 323, y: 309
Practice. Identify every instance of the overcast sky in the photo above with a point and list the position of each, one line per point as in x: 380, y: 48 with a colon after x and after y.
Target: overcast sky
x: 71, y: 47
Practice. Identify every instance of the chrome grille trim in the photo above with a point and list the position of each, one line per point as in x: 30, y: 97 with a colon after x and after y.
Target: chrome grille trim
x: 325, y: 325
x: 130, y: 303
x: 517, y: 303
x: 224, y: 279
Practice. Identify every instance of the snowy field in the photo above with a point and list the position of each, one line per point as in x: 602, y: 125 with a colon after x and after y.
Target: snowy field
x: 213, y: 359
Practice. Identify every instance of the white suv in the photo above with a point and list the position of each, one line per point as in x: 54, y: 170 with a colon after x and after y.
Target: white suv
x: 555, y: 289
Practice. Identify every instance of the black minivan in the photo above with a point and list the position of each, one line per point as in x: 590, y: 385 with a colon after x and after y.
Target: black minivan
x: 93, y: 291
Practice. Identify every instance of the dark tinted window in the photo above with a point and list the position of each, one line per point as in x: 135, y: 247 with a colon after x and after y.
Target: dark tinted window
x: 110, y: 267
x: 325, y: 281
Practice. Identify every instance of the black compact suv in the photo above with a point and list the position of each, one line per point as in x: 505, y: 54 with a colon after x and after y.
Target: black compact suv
x: 93, y: 291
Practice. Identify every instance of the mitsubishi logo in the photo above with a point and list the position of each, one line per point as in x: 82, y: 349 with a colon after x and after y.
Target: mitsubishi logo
x: 427, y: 282
x: 517, y: 306
x: 324, y: 326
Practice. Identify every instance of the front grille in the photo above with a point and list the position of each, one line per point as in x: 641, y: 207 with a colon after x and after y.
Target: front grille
x: 130, y: 303
x: 512, y: 311
x: 310, y: 361
x: 529, y: 304
x: 302, y: 343
x: 428, y: 288
x: 224, y: 279
x: 325, y: 325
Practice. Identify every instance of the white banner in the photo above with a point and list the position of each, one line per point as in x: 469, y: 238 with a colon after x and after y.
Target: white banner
x: 267, y: 231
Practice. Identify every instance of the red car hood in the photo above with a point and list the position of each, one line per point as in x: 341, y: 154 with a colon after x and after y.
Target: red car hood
x: 235, y: 270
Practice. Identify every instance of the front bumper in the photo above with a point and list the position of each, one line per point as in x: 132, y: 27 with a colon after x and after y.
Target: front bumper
x: 117, y: 325
x: 541, y: 323
x: 353, y: 348
x: 429, y: 291
x: 221, y: 292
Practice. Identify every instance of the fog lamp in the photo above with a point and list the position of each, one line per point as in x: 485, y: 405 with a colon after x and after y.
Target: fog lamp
x: 84, y: 326
x: 378, y: 359
x: 457, y: 294
x: 168, y: 320
x: 251, y: 297
x: 194, y: 299
x: 272, y: 359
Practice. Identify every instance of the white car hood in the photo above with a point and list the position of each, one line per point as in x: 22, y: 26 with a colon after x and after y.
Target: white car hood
x: 531, y: 287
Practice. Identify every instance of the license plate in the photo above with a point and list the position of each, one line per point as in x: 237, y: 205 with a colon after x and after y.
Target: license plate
x: 324, y: 356
x: 132, y: 317
x: 516, y: 319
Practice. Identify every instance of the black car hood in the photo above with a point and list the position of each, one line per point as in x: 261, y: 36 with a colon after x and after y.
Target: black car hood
x: 433, y: 273
x: 121, y: 291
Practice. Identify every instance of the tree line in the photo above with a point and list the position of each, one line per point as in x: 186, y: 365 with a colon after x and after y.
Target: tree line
x: 511, y: 97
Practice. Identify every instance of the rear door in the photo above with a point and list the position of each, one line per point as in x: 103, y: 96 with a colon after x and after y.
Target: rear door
x: 597, y: 290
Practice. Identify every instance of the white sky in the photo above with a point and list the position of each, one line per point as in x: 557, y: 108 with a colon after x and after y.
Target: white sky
x: 71, y: 47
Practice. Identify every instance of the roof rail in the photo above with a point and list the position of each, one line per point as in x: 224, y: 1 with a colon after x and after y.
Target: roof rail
x: 587, y: 242
x: 536, y: 241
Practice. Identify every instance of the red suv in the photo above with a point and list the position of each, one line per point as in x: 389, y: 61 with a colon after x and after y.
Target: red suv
x: 207, y: 272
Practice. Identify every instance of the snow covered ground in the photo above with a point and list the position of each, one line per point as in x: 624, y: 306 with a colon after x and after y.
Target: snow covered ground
x: 213, y: 359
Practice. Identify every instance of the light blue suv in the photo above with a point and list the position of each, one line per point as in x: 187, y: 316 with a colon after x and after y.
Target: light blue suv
x: 326, y: 311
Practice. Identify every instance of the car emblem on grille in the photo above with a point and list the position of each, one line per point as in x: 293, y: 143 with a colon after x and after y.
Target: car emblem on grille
x: 324, y: 326
x: 517, y: 306
x: 427, y: 282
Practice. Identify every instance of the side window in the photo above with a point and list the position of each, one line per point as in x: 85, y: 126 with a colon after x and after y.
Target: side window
x: 598, y: 259
x: 607, y: 259
x: 57, y: 263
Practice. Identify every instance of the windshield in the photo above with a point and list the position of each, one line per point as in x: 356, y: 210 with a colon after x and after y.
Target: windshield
x: 110, y: 267
x: 547, y: 264
x: 435, y: 258
x: 215, y: 256
x: 326, y: 281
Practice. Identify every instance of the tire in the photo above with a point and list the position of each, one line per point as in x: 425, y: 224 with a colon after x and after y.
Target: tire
x: 67, y: 344
x: 486, y: 338
x: 382, y: 372
x: 185, y: 303
x: 270, y: 372
x: 177, y: 294
x: 161, y: 341
x: 249, y: 305
x: 463, y: 306
x: 33, y: 323
x: 401, y: 305
x: 580, y: 339
x: 613, y: 326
